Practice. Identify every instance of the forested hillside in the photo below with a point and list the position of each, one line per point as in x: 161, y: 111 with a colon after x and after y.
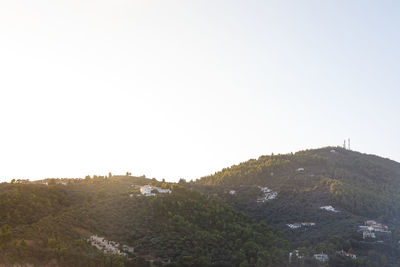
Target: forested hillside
x: 332, y: 202
x: 184, y: 228
x: 360, y: 187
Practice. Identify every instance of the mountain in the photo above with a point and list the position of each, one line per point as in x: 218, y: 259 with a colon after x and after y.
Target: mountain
x: 360, y: 187
x: 47, y: 223
x: 256, y: 213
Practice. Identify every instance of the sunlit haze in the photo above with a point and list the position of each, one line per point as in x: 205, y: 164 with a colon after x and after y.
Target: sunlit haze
x: 181, y: 89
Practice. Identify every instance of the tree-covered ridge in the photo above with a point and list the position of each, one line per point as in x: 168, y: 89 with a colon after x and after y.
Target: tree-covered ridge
x: 184, y: 228
x: 360, y: 186
x: 363, y: 184
x: 330, y: 161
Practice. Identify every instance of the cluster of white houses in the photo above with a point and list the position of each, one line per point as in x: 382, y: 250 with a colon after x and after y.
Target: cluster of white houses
x: 322, y: 257
x: 149, y: 191
x: 108, y: 246
x: 370, y: 227
x: 268, y: 194
x: 299, y: 225
x: 346, y: 254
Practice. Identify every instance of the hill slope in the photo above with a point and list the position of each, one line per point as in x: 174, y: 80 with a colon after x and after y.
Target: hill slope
x: 361, y: 187
x: 183, y: 228
x: 251, y: 214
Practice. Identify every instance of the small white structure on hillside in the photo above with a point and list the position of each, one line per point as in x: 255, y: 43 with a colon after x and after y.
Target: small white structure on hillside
x: 232, y: 192
x: 367, y: 234
x: 365, y: 228
x: 147, y: 190
x: 268, y: 194
x: 300, y: 170
x: 108, y: 246
x: 329, y: 208
x: 296, y: 253
x: 321, y: 257
x: 377, y: 227
x: 299, y: 225
x: 294, y: 225
x: 371, y: 227
x: 344, y: 253
x: 128, y: 249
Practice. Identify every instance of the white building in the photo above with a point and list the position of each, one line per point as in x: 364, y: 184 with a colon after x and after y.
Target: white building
x: 232, y: 192
x: 372, y: 225
x: 308, y: 224
x: 128, y: 249
x: 268, y: 194
x: 299, y: 225
x: 147, y: 190
x: 294, y: 225
x: 321, y: 257
x: 296, y: 253
x: 367, y: 234
x: 329, y: 208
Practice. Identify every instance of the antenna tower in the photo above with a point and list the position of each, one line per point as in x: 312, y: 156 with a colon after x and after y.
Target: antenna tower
x: 348, y: 143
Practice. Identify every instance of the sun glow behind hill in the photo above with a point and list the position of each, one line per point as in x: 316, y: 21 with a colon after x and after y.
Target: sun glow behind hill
x: 176, y: 90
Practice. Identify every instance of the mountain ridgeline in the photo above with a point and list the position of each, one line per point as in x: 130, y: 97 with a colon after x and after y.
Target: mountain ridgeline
x: 279, y: 210
x: 358, y: 186
x: 366, y: 185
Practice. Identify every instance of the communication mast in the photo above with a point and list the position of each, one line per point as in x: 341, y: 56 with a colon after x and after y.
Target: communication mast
x: 344, y: 144
x: 348, y: 143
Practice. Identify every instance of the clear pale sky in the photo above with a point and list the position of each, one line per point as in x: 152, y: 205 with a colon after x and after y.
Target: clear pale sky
x: 175, y: 89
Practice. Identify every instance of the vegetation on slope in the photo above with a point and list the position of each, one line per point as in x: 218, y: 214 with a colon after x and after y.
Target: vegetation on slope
x: 184, y: 228
x: 360, y: 186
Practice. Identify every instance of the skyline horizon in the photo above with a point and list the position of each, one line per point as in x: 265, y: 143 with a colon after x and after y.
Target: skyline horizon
x: 176, y: 179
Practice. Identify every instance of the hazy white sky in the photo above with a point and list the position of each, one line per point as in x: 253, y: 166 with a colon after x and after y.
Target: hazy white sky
x: 176, y: 89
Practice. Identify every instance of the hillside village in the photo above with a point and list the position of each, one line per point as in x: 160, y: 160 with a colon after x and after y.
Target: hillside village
x: 370, y: 227
x: 108, y: 246
x: 368, y: 230
x: 268, y: 194
x: 321, y: 257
